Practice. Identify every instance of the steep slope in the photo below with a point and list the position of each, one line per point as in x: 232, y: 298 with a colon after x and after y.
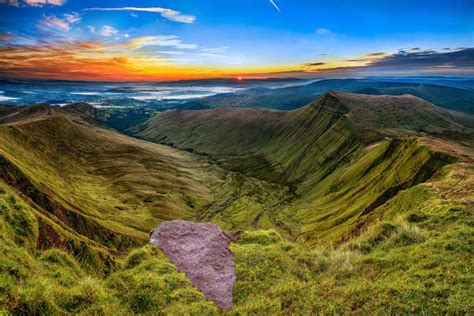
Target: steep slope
x: 333, y: 154
x: 336, y: 122
x: 107, y: 187
x: 108, y: 190
x: 404, y: 113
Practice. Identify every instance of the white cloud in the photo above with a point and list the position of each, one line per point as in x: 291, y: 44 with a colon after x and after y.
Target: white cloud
x: 126, y: 35
x: 33, y: 3
x: 169, y: 14
x: 134, y: 15
x: 108, y: 30
x: 161, y: 40
x: 65, y: 23
x: 323, y: 31
x: 170, y: 52
x: 275, y: 5
x: 105, y: 31
x: 215, y: 50
x: 72, y: 18
x: 91, y: 29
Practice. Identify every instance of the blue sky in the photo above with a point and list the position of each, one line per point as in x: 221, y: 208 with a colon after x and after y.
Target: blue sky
x: 225, y: 37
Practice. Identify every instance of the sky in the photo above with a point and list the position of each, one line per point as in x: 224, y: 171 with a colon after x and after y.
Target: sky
x: 153, y: 40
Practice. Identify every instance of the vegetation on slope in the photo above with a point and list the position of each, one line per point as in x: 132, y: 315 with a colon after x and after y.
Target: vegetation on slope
x: 413, y: 260
x: 319, y: 153
x: 100, y: 180
x: 347, y: 227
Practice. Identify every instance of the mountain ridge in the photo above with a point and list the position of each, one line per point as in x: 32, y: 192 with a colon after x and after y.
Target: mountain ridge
x: 316, y: 200
x: 309, y: 148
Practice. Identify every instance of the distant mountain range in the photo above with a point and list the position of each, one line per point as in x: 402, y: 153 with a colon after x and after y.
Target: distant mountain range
x: 455, y: 97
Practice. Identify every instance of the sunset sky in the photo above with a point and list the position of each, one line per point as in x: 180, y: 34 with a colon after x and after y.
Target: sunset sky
x: 184, y: 39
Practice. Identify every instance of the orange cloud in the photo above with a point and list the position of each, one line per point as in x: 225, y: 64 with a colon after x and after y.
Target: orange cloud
x: 142, y: 58
x: 51, y: 22
x: 98, y: 60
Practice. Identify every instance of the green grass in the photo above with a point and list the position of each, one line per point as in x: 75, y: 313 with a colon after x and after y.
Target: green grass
x: 109, y: 182
x: 414, y: 259
x: 350, y: 229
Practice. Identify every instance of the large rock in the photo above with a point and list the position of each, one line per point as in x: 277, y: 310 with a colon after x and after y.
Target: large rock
x: 201, y: 251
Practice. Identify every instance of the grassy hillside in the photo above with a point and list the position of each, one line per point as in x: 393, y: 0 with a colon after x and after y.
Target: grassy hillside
x: 324, y: 131
x: 96, y: 180
x: 109, y: 190
x: 352, y: 204
x: 340, y: 157
x: 413, y: 260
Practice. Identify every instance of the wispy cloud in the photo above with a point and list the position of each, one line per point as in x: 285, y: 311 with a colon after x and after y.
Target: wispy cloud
x: 72, y: 18
x: 160, y: 40
x: 100, y: 60
x: 33, y: 3
x: 461, y: 58
x: 6, y: 36
x: 169, y: 14
x: 323, y: 31
x: 404, y: 62
x: 105, y: 31
x: 377, y: 54
x: 216, y: 50
x: 65, y: 23
x: 275, y: 5
x: 108, y: 30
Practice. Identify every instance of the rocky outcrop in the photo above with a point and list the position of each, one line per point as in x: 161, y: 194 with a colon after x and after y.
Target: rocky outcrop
x: 201, y: 251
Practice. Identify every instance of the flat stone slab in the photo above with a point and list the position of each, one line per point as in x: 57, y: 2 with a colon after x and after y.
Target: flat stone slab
x: 201, y: 251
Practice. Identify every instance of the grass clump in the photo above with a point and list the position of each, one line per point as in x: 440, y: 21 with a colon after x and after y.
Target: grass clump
x: 261, y: 237
x: 396, y: 233
x: 407, y: 235
x: 150, y: 284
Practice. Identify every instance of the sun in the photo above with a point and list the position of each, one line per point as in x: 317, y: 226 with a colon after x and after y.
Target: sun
x: 239, y: 78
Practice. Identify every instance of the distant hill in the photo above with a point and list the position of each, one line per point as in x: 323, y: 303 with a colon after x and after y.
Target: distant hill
x: 452, y: 98
x: 447, y: 97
